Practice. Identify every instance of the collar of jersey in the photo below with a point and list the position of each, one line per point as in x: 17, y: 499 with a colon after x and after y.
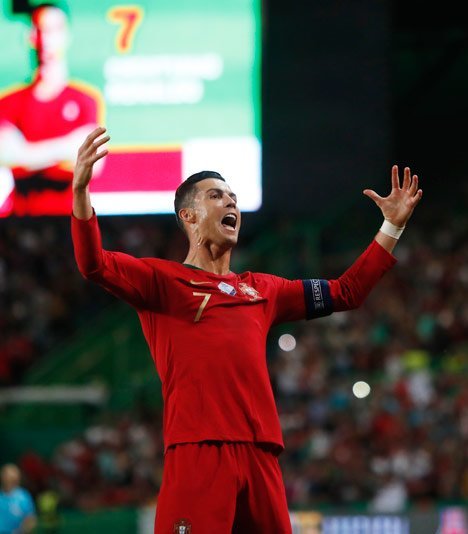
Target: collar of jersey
x: 230, y: 273
x: 193, y: 267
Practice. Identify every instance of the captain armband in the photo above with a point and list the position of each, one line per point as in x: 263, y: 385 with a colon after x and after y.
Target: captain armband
x: 317, y: 298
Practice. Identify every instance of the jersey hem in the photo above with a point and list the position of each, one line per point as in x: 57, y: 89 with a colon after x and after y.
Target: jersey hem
x: 277, y: 445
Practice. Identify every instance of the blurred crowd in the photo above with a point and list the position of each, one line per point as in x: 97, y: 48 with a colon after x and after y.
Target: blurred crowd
x: 406, y: 442
x: 113, y: 463
x: 43, y: 299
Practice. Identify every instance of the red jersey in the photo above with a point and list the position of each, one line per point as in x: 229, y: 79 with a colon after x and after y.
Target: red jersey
x: 207, y: 332
x: 46, y: 191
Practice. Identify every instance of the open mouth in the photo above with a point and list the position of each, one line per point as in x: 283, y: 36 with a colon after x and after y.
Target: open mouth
x: 229, y: 221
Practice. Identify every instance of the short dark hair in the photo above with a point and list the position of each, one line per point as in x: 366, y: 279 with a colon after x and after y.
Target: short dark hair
x: 187, y: 190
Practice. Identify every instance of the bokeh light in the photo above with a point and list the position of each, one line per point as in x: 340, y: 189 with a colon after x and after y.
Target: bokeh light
x: 287, y: 342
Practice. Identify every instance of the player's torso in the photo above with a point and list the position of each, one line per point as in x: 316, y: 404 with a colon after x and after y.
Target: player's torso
x: 211, y: 301
x: 207, y: 335
x: 208, y: 323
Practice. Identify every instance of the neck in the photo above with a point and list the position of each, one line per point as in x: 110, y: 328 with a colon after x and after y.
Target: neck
x: 50, y: 80
x: 209, y: 258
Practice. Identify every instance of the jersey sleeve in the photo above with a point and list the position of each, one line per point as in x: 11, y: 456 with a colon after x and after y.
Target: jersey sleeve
x: 313, y: 298
x: 287, y: 298
x: 129, y: 278
x: 349, y: 291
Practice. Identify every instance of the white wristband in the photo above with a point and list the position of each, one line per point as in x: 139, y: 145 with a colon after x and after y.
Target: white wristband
x: 391, y: 230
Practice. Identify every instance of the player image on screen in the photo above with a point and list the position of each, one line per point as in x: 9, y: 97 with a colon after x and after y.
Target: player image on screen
x: 206, y: 328
x: 165, y: 82
x: 42, y: 123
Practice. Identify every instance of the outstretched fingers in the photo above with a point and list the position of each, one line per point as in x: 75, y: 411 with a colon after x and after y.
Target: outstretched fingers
x: 88, y: 155
x: 410, y: 184
x: 98, y: 143
x: 88, y: 150
x: 395, y: 178
x: 101, y: 141
x: 97, y: 132
x: 99, y: 155
x: 88, y: 143
x: 414, y: 185
x: 406, y: 179
x: 416, y: 198
x: 373, y: 195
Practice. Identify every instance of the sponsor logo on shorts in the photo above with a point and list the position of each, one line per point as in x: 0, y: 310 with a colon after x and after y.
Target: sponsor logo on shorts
x: 182, y: 527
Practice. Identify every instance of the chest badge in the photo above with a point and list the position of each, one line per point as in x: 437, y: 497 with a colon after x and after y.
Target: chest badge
x: 250, y: 292
x: 227, y: 288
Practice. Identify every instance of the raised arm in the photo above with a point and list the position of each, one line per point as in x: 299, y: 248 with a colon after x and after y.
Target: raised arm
x: 88, y: 155
x: 131, y: 279
x: 351, y: 289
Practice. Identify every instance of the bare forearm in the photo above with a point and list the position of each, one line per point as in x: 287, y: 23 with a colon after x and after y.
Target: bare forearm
x: 87, y: 158
x: 385, y: 241
x: 82, y: 208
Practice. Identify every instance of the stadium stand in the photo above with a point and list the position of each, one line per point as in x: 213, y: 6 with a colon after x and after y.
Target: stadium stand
x: 405, y: 445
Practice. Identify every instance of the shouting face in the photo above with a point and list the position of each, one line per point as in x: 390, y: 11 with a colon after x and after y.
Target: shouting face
x: 214, y: 216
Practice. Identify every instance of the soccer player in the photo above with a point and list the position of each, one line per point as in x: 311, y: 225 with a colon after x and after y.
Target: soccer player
x: 206, y: 328
x: 43, y: 123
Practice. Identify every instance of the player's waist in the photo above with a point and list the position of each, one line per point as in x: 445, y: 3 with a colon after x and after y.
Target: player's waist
x: 268, y: 443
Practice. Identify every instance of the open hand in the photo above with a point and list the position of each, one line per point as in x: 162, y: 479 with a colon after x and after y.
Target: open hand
x: 88, y: 155
x: 398, y: 206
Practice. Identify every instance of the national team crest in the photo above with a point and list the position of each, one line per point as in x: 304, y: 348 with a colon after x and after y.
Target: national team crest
x: 182, y: 527
x: 249, y: 291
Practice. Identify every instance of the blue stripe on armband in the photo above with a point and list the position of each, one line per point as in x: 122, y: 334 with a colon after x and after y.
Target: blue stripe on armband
x: 317, y: 298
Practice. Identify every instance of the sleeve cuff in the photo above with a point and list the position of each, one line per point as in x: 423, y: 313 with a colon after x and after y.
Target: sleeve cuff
x: 387, y: 258
x: 75, y: 218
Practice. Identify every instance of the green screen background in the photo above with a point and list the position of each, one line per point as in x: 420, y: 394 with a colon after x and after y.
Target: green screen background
x: 231, y: 28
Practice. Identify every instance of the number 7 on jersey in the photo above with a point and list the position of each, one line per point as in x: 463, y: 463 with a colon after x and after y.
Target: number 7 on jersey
x: 202, y: 305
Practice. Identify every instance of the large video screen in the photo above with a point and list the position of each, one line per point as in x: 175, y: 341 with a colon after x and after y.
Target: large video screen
x: 175, y: 82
